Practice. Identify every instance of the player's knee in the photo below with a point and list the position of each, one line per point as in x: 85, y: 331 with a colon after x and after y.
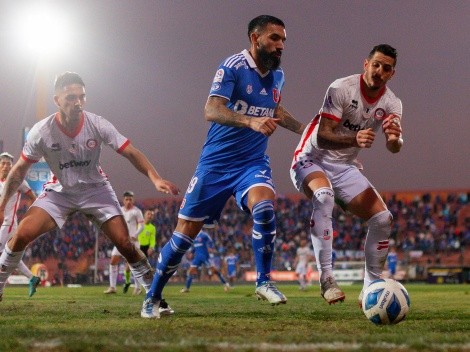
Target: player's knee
x: 323, y: 201
x: 381, y: 220
x: 264, y: 220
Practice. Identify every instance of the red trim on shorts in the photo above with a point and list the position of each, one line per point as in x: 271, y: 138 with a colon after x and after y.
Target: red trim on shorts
x: 314, y: 123
x: 122, y: 147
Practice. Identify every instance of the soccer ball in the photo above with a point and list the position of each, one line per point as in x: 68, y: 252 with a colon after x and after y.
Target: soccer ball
x: 385, y: 301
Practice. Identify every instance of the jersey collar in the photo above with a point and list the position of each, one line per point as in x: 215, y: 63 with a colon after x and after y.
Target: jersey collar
x: 366, y: 97
x: 252, y: 63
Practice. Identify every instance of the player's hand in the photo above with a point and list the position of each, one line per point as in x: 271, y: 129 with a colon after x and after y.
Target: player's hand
x: 365, y: 138
x: 167, y: 187
x: 391, y: 126
x: 264, y: 125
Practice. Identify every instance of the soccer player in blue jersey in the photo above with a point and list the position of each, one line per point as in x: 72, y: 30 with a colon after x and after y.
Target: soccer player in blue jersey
x: 203, y: 249
x: 243, y: 109
x: 231, y: 262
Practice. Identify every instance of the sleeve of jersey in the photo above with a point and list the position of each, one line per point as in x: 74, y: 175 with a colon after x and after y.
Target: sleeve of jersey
x: 332, y: 105
x: 223, y: 83
x: 32, y: 151
x: 112, y: 137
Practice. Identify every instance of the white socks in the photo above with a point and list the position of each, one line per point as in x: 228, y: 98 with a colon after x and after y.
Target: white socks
x: 321, y: 230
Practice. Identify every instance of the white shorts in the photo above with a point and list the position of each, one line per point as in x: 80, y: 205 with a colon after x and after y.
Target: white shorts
x: 347, y: 180
x: 98, y: 202
x: 301, y: 269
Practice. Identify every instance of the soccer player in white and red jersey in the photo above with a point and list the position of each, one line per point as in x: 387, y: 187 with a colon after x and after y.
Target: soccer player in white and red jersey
x: 325, y: 165
x: 10, y: 221
x: 303, y: 255
x: 135, y: 223
x: 71, y: 141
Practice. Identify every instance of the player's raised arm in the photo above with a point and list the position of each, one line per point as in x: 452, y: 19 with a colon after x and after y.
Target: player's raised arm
x: 216, y: 111
x: 142, y: 164
x: 15, y: 177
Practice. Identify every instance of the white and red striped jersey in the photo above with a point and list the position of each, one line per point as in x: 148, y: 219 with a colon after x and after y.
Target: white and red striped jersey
x: 13, y: 204
x: 74, y: 158
x: 134, y: 220
x: 346, y: 103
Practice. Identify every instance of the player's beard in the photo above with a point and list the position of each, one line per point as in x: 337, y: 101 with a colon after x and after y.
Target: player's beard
x: 268, y: 60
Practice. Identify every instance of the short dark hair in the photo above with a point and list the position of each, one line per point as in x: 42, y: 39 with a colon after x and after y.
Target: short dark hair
x: 386, y: 50
x: 260, y: 22
x: 128, y: 194
x: 67, y: 78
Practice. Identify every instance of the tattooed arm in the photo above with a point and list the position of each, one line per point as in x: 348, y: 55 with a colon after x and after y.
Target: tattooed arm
x: 287, y: 121
x: 216, y: 111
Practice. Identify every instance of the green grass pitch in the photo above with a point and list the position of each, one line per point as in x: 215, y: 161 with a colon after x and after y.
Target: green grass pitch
x: 208, y: 319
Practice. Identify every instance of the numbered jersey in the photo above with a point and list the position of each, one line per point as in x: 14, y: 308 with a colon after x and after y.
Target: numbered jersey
x: 72, y: 158
x: 251, y: 93
x: 346, y: 104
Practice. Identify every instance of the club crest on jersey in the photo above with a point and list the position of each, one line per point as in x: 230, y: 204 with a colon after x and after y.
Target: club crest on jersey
x: 219, y: 75
x: 276, y: 95
x: 249, y: 89
x: 379, y: 114
x: 91, y: 143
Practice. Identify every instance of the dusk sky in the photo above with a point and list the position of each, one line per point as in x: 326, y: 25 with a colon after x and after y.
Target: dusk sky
x: 148, y: 66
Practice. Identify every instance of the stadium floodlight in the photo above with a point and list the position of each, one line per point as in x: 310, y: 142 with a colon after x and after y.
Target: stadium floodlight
x: 40, y: 28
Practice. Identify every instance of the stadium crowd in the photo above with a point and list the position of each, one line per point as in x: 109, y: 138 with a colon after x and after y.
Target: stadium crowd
x: 437, y: 226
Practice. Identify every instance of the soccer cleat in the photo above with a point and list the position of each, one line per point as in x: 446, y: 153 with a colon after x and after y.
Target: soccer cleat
x: 148, y: 311
x: 33, y: 283
x: 331, y: 292
x: 110, y: 290
x: 165, y: 309
x: 267, y: 291
x: 125, y: 288
x: 184, y: 290
x: 137, y: 291
x: 227, y: 287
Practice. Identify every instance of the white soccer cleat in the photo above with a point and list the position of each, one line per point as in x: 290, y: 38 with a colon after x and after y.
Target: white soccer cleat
x: 148, y: 309
x: 267, y: 291
x: 331, y: 292
x: 184, y: 290
x: 165, y: 309
x: 227, y: 287
x: 110, y: 290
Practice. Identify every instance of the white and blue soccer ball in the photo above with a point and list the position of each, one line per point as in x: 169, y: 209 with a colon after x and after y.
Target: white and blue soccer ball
x: 385, y: 302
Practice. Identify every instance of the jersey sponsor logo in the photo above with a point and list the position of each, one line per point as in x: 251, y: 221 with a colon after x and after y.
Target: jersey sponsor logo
x: 215, y: 86
x: 74, y: 163
x: 352, y: 126
x: 243, y: 108
x: 219, y: 75
x: 91, y: 143
x: 276, y: 95
x: 379, y: 114
x: 354, y: 104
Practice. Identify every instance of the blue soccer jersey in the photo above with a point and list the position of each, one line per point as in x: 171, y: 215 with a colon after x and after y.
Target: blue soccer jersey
x: 249, y: 93
x: 202, y: 244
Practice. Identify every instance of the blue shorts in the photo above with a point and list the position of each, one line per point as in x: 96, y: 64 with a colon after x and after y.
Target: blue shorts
x: 209, y: 191
x: 200, y: 260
